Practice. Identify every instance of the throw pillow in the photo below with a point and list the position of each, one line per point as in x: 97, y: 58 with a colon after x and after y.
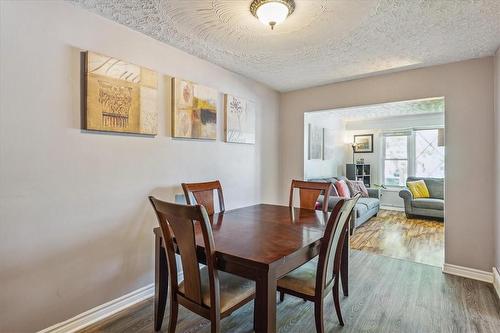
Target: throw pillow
x: 419, y: 189
x: 342, y: 189
x: 357, y: 186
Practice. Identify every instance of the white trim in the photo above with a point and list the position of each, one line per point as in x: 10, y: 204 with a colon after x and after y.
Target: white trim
x: 467, y: 272
x: 389, y: 207
x: 496, y: 281
x: 102, y: 311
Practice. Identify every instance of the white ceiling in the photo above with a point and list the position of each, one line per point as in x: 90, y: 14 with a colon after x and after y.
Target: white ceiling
x: 323, y: 41
x: 387, y: 110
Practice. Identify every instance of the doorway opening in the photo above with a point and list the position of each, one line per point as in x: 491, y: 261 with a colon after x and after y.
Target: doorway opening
x: 396, y: 151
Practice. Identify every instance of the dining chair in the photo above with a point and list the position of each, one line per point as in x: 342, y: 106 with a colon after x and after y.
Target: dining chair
x: 309, y: 193
x: 205, y: 291
x: 316, y: 278
x: 203, y: 194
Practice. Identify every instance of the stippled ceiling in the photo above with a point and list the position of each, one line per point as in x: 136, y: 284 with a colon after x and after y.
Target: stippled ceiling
x: 388, y: 110
x: 323, y: 41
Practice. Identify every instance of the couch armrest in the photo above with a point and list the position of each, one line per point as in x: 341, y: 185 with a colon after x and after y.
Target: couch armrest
x: 374, y: 193
x: 407, y: 198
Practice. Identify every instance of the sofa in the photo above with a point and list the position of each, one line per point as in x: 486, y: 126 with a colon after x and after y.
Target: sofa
x: 365, y: 208
x: 425, y: 207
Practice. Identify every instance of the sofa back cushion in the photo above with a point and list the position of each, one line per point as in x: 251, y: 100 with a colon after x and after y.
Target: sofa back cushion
x: 333, y: 191
x: 342, y: 189
x: 434, y: 185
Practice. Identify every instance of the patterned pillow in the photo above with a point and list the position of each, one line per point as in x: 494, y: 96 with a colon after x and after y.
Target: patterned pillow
x: 357, y: 186
x: 342, y: 189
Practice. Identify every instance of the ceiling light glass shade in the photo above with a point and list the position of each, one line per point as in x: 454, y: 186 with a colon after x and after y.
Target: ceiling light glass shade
x: 272, y: 12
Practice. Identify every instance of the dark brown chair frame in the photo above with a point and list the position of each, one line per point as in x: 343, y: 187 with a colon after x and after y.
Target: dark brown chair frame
x: 309, y: 193
x: 178, y: 224
x: 204, y: 194
x: 327, y: 278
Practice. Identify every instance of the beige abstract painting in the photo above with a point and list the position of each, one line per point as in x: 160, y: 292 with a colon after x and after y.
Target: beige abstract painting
x: 239, y: 120
x: 194, y: 110
x: 120, y: 97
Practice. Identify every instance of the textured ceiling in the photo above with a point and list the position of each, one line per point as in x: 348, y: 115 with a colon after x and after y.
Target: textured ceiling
x: 323, y: 41
x: 386, y: 110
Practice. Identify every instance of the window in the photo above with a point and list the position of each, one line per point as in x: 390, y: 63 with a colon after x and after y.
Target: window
x: 429, y: 157
x: 412, y: 153
x: 395, y: 160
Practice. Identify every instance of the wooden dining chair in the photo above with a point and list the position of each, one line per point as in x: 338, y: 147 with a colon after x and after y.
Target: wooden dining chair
x: 203, y: 194
x: 315, y: 279
x: 309, y: 193
x: 206, y: 291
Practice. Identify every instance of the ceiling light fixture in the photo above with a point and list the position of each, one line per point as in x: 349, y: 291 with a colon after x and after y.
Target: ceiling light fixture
x: 272, y: 12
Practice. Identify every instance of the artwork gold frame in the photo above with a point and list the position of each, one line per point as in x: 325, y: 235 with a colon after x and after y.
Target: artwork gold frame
x: 194, y: 110
x: 118, y: 96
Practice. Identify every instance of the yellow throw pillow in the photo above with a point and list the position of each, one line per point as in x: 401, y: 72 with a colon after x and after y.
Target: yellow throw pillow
x: 418, y: 189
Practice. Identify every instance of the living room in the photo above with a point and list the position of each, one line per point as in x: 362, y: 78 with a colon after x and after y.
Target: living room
x: 383, y: 151
x: 218, y: 92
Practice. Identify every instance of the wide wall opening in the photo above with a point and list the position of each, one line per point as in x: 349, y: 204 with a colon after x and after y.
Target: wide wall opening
x: 395, y: 154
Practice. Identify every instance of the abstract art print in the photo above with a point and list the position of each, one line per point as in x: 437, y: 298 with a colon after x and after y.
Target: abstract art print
x: 315, y: 142
x: 239, y: 121
x: 118, y: 96
x: 194, y: 110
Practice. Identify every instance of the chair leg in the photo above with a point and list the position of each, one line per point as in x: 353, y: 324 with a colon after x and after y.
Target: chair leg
x: 215, y: 323
x: 318, y: 316
x: 282, y: 296
x: 172, y: 319
x: 337, y: 302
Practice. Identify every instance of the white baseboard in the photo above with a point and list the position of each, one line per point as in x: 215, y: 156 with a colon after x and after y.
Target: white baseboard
x: 496, y: 281
x: 102, y: 311
x: 471, y: 273
x: 398, y: 209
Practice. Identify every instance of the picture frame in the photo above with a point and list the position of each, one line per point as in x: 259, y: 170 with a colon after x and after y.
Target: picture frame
x: 363, y: 143
x: 316, y: 142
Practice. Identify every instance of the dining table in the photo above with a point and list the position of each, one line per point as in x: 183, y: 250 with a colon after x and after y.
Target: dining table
x: 262, y: 243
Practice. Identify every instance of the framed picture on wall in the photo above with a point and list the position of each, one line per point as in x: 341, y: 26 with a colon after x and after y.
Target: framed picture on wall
x: 363, y: 143
x: 315, y: 151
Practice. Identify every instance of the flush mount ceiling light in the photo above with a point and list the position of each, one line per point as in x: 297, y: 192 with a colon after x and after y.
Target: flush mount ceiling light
x: 272, y: 12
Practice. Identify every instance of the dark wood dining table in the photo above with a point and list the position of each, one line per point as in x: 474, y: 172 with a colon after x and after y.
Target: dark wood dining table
x: 262, y: 243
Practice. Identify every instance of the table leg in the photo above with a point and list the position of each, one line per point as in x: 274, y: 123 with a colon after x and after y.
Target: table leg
x: 344, y: 265
x: 161, y: 283
x: 265, y: 304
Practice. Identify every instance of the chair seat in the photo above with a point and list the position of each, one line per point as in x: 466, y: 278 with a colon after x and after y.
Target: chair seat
x: 301, y: 279
x: 233, y: 289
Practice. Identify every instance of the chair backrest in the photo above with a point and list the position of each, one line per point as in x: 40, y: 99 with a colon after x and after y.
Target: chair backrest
x: 330, y: 253
x: 309, y: 193
x: 180, y: 222
x: 203, y: 193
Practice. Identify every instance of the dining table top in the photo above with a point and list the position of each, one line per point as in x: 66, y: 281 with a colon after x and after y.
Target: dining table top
x: 264, y: 233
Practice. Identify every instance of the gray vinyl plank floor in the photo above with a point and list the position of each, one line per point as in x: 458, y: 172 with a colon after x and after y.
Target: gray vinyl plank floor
x: 386, y: 295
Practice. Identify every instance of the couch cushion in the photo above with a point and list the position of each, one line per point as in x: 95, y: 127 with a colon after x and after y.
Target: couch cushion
x: 428, y: 203
x: 370, y: 203
x: 434, y: 185
x: 360, y: 209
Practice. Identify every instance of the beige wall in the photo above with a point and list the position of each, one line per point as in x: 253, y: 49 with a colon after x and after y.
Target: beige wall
x: 76, y: 226
x: 469, y: 118
x: 497, y: 140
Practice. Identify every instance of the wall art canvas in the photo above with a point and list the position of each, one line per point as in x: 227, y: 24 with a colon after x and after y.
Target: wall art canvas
x: 194, y: 110
x: 239, y: 121
x: 118, y: 96
x: 316, y: 135
x: 363, y: 143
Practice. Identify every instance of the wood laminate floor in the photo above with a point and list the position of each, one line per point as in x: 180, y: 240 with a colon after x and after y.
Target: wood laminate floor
x: 392, y: 234
x: 386, y: 295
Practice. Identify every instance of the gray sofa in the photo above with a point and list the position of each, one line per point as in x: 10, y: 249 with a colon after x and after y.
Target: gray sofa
x: 365, y: 207
x: 426, y: 207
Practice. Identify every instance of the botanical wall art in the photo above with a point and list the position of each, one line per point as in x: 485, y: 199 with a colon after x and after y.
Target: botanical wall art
x: 118, y: 96
x: 239, y: 121
x: 363, y: 143
x: 194, y: 110
x: 315, y: 142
